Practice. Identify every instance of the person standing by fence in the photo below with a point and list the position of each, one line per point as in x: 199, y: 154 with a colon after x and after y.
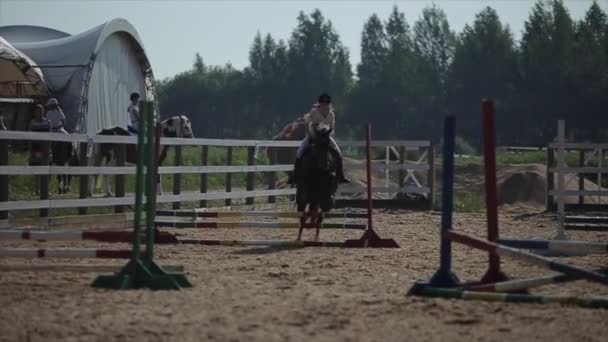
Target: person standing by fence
x: 133, y: 111
x: 39, y: 149
x: 55, y: 116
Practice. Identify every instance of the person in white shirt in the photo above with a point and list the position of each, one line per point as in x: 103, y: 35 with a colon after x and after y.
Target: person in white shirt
x: 55, y: 116
x: 321, y: 113
x: 134, y: 113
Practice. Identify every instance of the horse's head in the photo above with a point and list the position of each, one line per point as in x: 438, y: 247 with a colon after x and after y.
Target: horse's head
x: 177, y: 127
x: 321, y: 134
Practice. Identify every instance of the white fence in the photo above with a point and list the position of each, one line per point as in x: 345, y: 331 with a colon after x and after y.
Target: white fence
x: 588, y: 199
x: 409, y: 171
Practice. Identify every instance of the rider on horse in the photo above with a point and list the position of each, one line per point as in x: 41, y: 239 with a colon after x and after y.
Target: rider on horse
x: 321, y: 113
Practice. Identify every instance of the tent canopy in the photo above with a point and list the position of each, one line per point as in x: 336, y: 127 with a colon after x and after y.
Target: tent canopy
x: 30, y: 33
x: 18, y: 77
x: 91, y: 73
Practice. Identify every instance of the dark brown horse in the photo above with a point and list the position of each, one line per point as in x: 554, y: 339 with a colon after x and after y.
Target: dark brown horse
x: 316, y: 181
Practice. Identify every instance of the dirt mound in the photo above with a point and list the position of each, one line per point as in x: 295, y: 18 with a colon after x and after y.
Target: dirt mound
x: 523, y: 184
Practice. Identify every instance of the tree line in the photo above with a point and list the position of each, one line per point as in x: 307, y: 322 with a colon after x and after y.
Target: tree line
x: 411, y: 76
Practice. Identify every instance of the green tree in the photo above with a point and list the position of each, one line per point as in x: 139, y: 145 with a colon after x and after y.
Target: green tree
x: 589, y: 79
x: 434, y: 45
x: 366, y: 99
x: 547, y: 63
x: 485, y: 66
x: 434, y: 41
x: 318, y: 62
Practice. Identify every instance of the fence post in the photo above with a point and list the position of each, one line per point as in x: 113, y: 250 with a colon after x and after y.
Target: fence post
x: 250, y: 175
x: 402, y: 157
x: 119, y: 186
x: 84, y: 179
x: 431, y: 176
x: 4, y: 179
x: 44, y: 179
x: 550, y: 179
x: 177, y: 178
x: 272, y: 177
x: 204, y: 162
x: 581, y: 177
x: 228, y: 201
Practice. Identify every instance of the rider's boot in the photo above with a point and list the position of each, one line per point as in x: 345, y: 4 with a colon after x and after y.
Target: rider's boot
x: 340, y: 171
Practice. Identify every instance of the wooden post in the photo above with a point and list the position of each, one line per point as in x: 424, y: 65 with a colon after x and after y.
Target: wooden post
x: 561, y: 179
x: 204, y: 162
x: 228, y: 201
x: 549, y: 205
x: 119, y: 186
x: 581, y: 177
x: 4, y: 179
x: 272, y: 177
x: 44, y: 179
x: 84, y: 179
x: 431, y: 176
x: 402, y: 157
x: 250, y: 175
x: 292, y: 198
x: 177, y: 178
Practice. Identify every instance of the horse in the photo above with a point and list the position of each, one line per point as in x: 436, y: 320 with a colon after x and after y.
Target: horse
x: 295, y: 130
x: 316, y: 180
x: 178, y: 126
x: 63, y: 153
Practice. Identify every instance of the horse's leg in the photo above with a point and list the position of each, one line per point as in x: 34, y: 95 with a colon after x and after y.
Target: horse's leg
x: 68, y: 186
x: 302, y: 224
x: 106, y: 181
x: 106, y: 178
x: 59, y: 184
x: 94, y: 182
x: 159, y: 188
x: 318, y: 216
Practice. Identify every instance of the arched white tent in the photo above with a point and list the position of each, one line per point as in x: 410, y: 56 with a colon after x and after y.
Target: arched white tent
x: 91, y: 73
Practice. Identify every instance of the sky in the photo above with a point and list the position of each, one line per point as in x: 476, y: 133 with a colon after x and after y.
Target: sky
x: 222, y: 31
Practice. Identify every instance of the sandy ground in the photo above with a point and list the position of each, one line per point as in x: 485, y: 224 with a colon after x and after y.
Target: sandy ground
x: 319, y: 294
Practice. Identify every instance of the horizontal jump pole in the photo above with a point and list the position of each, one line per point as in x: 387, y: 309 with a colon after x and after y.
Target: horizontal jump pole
x: 285, y: 225
x: 269, y: 214
x: 262, y: 243
x: 99, y: 236
x: 590, y: 302
x: 513, y: 253
x: 78, y: 268
x: 586, y: 219
x: 112, y: 201
x: 65, y: 253
x: 561, y: 246
x: 589, y: 227
x: 528, y: 283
